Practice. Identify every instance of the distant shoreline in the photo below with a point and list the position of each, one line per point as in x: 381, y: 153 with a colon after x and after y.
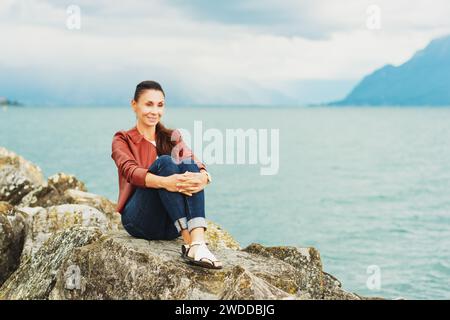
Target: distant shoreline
x: 9, y: 103
x: 306, y: 106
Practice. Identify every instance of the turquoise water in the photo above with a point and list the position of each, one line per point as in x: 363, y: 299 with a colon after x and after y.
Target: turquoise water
x: 366, y: 186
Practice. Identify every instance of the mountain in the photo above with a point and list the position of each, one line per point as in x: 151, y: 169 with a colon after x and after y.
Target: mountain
x: 424, y: 80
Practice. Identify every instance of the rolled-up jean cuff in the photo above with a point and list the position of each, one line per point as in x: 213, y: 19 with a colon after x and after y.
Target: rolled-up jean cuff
x: 196, y: 222
x: 181, y: 224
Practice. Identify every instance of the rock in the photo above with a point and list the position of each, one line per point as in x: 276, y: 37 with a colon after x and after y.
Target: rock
x: 242, y: 284
x: 17, y: 177
x: 317, y: 283
x: 82, y: 263
x: 43, y: 222
x: 53, y: 191
x: 306, y: 260
x: 130, y: 268
x: 12, y: 237
x: 333, y: 289
x: 91, y: 199
x: 217, y: 237
x: 35, y: 277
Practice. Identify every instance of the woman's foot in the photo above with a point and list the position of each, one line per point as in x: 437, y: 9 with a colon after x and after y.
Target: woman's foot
x: 198, y: 253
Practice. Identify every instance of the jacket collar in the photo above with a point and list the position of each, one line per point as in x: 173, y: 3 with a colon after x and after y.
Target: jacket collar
x: 135, y: 135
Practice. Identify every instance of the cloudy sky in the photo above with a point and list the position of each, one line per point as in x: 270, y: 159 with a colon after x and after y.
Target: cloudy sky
x: 207, y: 52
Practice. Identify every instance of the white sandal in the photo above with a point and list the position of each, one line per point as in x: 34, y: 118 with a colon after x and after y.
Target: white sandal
x: 202, y: 257
x: 185, y: 248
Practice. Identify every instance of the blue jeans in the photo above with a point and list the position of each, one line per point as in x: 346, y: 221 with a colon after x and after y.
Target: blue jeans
x: 158, y: 214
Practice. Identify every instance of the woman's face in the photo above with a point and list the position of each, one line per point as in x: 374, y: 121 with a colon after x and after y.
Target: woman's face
x: 149, y: 108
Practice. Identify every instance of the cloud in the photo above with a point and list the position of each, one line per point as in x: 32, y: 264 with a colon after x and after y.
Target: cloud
x: 249, y: 51
x: 317, y: 19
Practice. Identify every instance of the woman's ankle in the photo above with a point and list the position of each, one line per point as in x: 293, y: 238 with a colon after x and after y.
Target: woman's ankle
x: 186, y: 236
x: 197, y: 234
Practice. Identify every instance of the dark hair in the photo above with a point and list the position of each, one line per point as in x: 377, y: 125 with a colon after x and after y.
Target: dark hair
x: 147, y: 85
x: 164, y: 144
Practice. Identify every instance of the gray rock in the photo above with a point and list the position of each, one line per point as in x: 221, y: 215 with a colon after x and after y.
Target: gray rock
x: 333, y: 289
x: 18, y: 177
x: 103, y: 204
x: 82, y: 263
x: 52, y: 192
x: 12, y: 237
x: 242, y: 284
x: 35, y: 278
x: 217, y: 237
x: 43, y: 222
x: 306, y: 260
x: 129, y: 268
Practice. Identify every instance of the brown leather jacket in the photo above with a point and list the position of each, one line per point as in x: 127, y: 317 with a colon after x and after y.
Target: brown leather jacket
x: 133, y: 155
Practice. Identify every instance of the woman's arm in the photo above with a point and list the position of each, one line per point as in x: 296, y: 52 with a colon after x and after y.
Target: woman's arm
x: 155, y: 181
x: 125, y: 161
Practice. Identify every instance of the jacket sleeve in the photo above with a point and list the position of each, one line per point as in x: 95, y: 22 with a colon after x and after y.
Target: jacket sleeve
x: 126, y: 162
x: 187, y: 152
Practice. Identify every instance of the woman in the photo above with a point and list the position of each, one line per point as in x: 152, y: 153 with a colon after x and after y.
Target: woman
x: 161, y: 181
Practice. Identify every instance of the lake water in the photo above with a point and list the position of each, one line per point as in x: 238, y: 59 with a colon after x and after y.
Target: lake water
x: 368, y: 187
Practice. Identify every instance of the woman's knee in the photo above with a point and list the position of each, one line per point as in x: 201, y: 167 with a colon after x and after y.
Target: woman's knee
x: 189, y: 165
x: 164, y: 165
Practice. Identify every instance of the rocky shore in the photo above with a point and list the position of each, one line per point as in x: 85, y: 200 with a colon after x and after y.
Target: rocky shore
x: 58, y: 241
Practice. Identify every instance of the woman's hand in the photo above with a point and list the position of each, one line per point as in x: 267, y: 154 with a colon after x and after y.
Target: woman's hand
x: 192, y: 182
x: 186, y: 183
x: 170, y: 183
